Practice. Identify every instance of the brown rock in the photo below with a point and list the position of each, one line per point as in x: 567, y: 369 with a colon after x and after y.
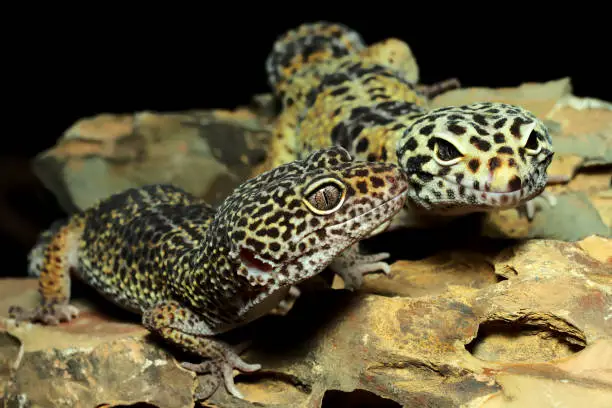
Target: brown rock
x: 208, y: 153
x: 459, y: 328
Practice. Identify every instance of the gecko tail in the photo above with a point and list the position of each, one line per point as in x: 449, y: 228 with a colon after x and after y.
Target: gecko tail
x: 36, y: 255
x: 309, y: 44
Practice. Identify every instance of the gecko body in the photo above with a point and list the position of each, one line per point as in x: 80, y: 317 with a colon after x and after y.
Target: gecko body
x: 193, y: 271
x: 335, y: 90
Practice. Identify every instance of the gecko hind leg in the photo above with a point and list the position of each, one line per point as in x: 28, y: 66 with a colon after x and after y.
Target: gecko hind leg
x: 182, y: 327
x: 352, y: 265
x: 59, y: 256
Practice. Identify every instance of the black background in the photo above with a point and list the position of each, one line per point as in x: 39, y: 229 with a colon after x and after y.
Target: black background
x: 62, y: 65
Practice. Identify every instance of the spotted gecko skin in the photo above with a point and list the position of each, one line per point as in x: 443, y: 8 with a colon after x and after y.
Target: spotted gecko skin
x: 459, y: 159
x: 193, y: 271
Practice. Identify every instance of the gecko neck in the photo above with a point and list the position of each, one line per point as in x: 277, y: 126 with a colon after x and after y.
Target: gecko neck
x: 207, y: 276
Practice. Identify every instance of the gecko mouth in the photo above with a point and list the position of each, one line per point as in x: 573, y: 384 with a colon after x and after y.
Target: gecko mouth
x: 497, y: 199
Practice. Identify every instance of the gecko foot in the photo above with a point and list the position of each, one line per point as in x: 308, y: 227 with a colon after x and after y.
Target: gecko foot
x: 220, y: 369
x: 285, y: 305
x: 545, y: 199
x: 352, y: 266
x: 50, y: 315
x: 178, y: 324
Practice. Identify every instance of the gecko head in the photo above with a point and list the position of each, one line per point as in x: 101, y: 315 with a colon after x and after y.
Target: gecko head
x: 289, y: 223
x: 477, y: 157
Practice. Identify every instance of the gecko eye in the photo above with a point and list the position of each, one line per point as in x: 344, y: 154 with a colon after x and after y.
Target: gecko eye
x: 533, y: 146
x: 446, y: 153
x: 325, y: 196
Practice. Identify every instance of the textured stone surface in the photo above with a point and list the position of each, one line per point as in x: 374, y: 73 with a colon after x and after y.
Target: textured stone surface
x: 206, y: 152
x: 496, y: 327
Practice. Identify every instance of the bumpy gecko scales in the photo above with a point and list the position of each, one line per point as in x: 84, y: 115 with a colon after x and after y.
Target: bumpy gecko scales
x: 460, y: 159
x: 193, y: 271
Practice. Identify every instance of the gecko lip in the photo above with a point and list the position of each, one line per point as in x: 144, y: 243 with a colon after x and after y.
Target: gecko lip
x: 498, y: 199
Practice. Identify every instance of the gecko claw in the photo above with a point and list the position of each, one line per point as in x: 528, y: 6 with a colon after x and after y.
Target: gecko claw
x: 539, y: 202
x: 49, y: 315
x: 220, y: 369
x: 352, y: 266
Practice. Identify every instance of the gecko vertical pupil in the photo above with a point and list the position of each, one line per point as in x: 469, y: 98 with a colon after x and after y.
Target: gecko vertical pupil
x: 325, y: 198
x: 446, y: 151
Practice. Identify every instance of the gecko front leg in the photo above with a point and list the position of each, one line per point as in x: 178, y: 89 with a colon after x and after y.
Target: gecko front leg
x: 285, y: 305
x: 545, y: 199
x: 352, y: 265
x: 182, y: 327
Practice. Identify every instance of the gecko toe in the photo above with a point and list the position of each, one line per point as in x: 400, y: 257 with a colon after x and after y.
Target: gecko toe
x: 50, y: 315
x: 220, y: 369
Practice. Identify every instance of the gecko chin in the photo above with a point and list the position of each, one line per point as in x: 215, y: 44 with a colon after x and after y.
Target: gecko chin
x: 452, y: 198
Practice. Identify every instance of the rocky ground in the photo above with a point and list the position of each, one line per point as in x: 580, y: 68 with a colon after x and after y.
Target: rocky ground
x: 518, y: 315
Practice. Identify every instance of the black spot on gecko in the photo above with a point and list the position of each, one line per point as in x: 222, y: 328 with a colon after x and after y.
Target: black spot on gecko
x: 377, y: 182
x: 456, y: 129
x: 480, y: 120
x: 339, y: 135
x: 494, y: 163
x: 414, y: 164
x: 411, y: 144
x: 362, y: 186
x: 258, y: 245
x: 481, y: 131
x: 426, y: 130
x: 480, y: 144
x: 474, y: 164
x: 499, y: 137
x: 339, y: 91
x: 362, y: 146
x: 505, y: 150
x: 515, y: 184
x: 499, y: 124
x: 444, y: 171
x: 516, y: 127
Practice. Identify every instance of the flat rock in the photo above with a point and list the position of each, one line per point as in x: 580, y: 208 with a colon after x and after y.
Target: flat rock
x: 521, y: 322
x: 205, y: 152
